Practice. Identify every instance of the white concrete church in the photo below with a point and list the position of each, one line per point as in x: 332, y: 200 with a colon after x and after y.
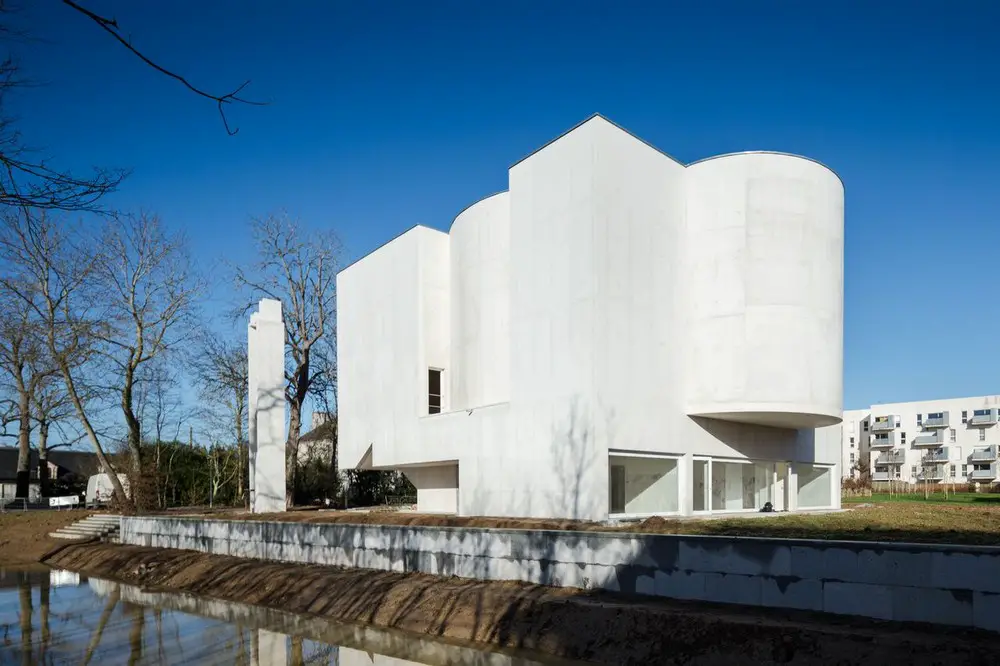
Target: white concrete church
x: 617, y: 335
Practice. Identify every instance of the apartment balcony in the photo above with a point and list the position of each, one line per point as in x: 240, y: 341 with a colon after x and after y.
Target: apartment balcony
x: 884, y: 423
x: 934, y: 472
x: 985, y: 473
x: 936, y: 439
x: 935, y: 456
x: 984, y: 417
x: 891, y: 458
x: 881, y: 476
x: 984, y: 454
x: 936, y: 420
x: 885, y: 440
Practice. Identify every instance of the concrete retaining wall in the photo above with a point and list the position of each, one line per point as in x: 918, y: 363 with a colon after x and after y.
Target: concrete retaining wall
x: 957, y: 585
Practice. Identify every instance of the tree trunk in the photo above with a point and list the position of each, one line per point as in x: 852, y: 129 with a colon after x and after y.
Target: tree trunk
x: 134, y: 441
x: 43, y: 595
x: 88, y: 427
x: 292, y: 452
x: 24, y: 594
x: 43, y: 458
x: 23, y: 483
x: 240, y: 407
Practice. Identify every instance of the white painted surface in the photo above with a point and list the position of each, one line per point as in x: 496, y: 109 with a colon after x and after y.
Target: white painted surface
x: 765, y: 281
x: 437, y: 487
x: 585, y: 311
x: 266, y: 365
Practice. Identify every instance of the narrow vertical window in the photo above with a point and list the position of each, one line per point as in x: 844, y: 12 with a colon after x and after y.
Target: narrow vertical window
x: 433, y: 391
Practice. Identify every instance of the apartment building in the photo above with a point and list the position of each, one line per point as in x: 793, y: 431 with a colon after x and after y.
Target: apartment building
x: 954, y: 440
x: 855, y: 447
x: 616, y: 335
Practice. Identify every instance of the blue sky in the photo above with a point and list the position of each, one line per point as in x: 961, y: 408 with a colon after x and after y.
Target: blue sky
x: 387, y: 114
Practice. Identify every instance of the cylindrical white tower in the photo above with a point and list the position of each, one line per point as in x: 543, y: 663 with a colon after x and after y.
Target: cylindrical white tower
x: 480, y: 304
x: 765, y: 272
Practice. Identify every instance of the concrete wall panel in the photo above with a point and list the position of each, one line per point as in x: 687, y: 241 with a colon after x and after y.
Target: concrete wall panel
x: 904, y: 582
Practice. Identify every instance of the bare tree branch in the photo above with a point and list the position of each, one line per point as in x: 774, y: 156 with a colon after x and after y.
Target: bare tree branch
x: 110, y: 25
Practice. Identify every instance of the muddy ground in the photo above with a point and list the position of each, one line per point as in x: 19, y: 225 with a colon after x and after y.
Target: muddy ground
x: 597, y: 627
x: 24, y: 535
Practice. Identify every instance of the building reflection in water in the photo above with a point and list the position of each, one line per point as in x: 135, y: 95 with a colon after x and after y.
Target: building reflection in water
x: 53, y: 617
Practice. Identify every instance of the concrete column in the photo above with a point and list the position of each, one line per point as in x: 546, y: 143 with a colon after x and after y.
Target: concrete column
x: 685, y: 484
x: 272, y: 648
x: 792, y: 489
x: 267, y: 368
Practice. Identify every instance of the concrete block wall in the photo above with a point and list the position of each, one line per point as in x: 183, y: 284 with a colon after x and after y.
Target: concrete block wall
x: 956, y: 585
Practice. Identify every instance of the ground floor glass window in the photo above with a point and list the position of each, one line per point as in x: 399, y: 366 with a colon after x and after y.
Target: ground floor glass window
x: 643, y: 485
x: 815, y: 486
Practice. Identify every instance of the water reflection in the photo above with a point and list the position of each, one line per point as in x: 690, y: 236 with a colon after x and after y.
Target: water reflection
x: 58, y: 617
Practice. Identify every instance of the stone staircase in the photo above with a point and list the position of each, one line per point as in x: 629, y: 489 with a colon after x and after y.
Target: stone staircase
x: 103, y: 526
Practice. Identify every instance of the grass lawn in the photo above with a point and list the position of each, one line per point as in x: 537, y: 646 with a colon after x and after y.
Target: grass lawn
x: 980, y: 499
x: 954, y: 522
x: 909, y: 521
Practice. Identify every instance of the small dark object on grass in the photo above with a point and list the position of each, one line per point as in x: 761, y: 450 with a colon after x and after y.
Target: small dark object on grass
x: 767, y: 508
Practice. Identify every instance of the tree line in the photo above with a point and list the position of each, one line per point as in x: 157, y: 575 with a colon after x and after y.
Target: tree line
x: 104, y: 325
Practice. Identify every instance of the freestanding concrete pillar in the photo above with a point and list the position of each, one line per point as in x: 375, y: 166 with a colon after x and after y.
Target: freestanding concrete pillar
x: 266, y: 379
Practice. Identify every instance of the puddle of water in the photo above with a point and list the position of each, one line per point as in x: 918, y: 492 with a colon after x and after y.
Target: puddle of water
x: 59, y: 617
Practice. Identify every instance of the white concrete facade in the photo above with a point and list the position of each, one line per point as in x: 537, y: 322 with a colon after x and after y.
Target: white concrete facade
x: 954, y: 440
x: 618, y: 334
x: 266, y: 381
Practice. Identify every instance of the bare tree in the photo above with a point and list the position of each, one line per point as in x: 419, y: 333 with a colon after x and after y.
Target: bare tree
x: 51, y: 408
x: 147, y: 279
x: 24, y: 359
x: 160, y: 408
x: 298, y: 268
x: 48, y: 268
x: 221, y: 373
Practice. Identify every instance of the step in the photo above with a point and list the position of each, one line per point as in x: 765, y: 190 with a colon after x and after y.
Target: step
x: 89, y: 529
x: 72, y: 537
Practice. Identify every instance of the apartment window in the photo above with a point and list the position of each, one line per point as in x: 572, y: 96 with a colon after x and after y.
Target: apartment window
x: 866, y: 426
x: 852, y: 442
x: 951, y: 433
x: 965, y: 470
x: 952, y: 470
x: 433, y: 391
x: 982, y: 435
x: 920, y: 419
x: 897, y: 422
x: 902, y: 438
x: 852, y: 458
x: 965, y: 416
